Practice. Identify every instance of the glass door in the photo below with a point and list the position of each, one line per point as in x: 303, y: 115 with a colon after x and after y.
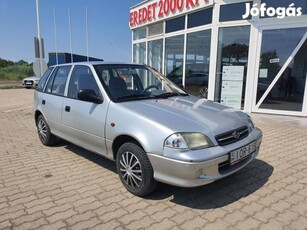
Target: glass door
x: 282, y: 72
x: 232, y: 63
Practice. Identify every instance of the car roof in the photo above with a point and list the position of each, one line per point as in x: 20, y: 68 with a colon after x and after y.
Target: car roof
x: 96, y: 63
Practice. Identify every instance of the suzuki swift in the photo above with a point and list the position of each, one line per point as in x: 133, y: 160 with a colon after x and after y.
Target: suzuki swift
x: 152, y: 129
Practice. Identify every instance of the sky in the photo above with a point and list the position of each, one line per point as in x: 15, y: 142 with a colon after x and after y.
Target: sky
x: 109, y: 34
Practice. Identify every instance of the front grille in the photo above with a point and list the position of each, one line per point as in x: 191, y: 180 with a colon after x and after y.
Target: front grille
x: 232, y: 136
x: 28, y: 82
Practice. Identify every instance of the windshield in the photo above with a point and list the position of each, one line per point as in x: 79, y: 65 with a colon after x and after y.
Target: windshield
x: 135, y: 82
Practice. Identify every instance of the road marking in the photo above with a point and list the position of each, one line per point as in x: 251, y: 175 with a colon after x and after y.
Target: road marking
x: 22, y: 108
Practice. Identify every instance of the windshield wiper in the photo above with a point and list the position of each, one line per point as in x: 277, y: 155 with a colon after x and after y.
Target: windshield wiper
x: 132, y: 96
x: 170, y: 94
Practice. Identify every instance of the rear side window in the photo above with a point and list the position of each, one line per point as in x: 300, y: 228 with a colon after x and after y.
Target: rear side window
x: 42, y: 82
x: 57, y: 81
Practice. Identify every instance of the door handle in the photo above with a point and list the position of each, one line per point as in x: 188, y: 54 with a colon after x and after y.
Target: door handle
x: 67, y: 108
x: 43, y: 102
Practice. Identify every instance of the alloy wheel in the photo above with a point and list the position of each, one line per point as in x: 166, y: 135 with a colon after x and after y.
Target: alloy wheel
x: 42, y: 129
x: 130, y: 169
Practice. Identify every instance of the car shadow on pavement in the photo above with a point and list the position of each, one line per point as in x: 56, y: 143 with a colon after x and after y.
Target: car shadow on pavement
x: 215, y: 195
x: 220, y: 193
x: 95, y: 158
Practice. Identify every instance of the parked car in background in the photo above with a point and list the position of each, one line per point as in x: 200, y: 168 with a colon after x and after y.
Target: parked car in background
x: 196, y: 78
x: 30, y: 82
x: 153, y: 130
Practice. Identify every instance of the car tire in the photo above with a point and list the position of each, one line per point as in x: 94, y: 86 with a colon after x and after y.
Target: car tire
x: 134, y: 169
x: 43, y: 130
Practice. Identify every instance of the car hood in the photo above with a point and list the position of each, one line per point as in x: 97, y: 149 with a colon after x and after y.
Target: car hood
x: 189, y: 114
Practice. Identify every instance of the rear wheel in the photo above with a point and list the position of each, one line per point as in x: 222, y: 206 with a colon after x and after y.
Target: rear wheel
x: 43, y: 130
x: 135, y: 170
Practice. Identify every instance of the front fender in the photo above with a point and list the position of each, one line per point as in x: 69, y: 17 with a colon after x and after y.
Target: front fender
x: 123, y: 121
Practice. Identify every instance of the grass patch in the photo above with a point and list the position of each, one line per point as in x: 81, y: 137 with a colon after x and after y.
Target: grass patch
x: 15, y: 72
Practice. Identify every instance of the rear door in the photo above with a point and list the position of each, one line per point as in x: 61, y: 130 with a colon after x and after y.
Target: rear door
x: 84, y: 121
x: 52, y: 98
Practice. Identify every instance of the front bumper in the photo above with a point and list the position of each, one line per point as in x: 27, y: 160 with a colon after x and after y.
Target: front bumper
x: 192, y: 174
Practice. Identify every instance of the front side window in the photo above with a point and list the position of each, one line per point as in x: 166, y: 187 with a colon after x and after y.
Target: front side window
x: 82, y: 78
x: 57, y: 82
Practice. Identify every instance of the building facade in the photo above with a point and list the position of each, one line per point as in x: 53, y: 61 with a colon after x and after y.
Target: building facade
x: 251, y: 55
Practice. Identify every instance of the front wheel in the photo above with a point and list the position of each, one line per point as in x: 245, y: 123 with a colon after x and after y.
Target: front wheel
x: 135, y: 170
x: 43, y: 130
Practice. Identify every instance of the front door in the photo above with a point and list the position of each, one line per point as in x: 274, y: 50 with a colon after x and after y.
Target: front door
x: 282, y: 72
x: 84, y: 121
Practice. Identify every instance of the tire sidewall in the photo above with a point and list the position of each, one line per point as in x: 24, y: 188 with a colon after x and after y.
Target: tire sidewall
x: 50, y: 139
x: 148, y: 183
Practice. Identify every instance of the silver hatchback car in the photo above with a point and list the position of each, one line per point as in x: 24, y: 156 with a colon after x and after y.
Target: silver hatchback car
x: 154, y: 130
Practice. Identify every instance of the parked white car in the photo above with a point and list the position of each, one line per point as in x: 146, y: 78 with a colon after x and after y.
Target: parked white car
x: 30, y: 82
x: 154, y: 131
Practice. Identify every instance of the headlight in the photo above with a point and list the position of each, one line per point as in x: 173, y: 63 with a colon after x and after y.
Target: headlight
x: 187, y: 141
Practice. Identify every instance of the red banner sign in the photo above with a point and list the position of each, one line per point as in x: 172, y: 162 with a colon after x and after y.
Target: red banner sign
x: 156, y: 10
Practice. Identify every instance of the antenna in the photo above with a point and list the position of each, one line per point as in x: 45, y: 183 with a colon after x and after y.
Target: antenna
x: 86, y: 22
x: 56, y: 45
x: 70, y: 40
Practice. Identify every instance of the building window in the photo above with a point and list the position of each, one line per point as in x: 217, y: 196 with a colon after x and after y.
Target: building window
x: 139, y: 33
x: 173, y: 53
x: 200, y: 18
x: 284, y: 4
x: 175, y: 24
x: 155, y: 29
x: 231, y: 69
x: 197, y: 63
x: 196, y: 74
x: 233, y: 12
x: 288, y: 91
x: 155, y: 54
x: 139, y: 53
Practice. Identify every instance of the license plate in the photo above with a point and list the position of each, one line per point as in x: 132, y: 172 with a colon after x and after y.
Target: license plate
x: 241, y: 153
x: 29, y: 83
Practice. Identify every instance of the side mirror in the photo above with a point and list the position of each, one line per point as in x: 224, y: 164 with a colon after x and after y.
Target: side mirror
x: 89, y: 95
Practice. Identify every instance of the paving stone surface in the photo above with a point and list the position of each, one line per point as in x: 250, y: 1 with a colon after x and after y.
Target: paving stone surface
x: 66, y: 187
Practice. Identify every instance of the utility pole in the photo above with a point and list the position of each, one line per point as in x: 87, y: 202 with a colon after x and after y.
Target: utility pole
x: 40, y: 43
